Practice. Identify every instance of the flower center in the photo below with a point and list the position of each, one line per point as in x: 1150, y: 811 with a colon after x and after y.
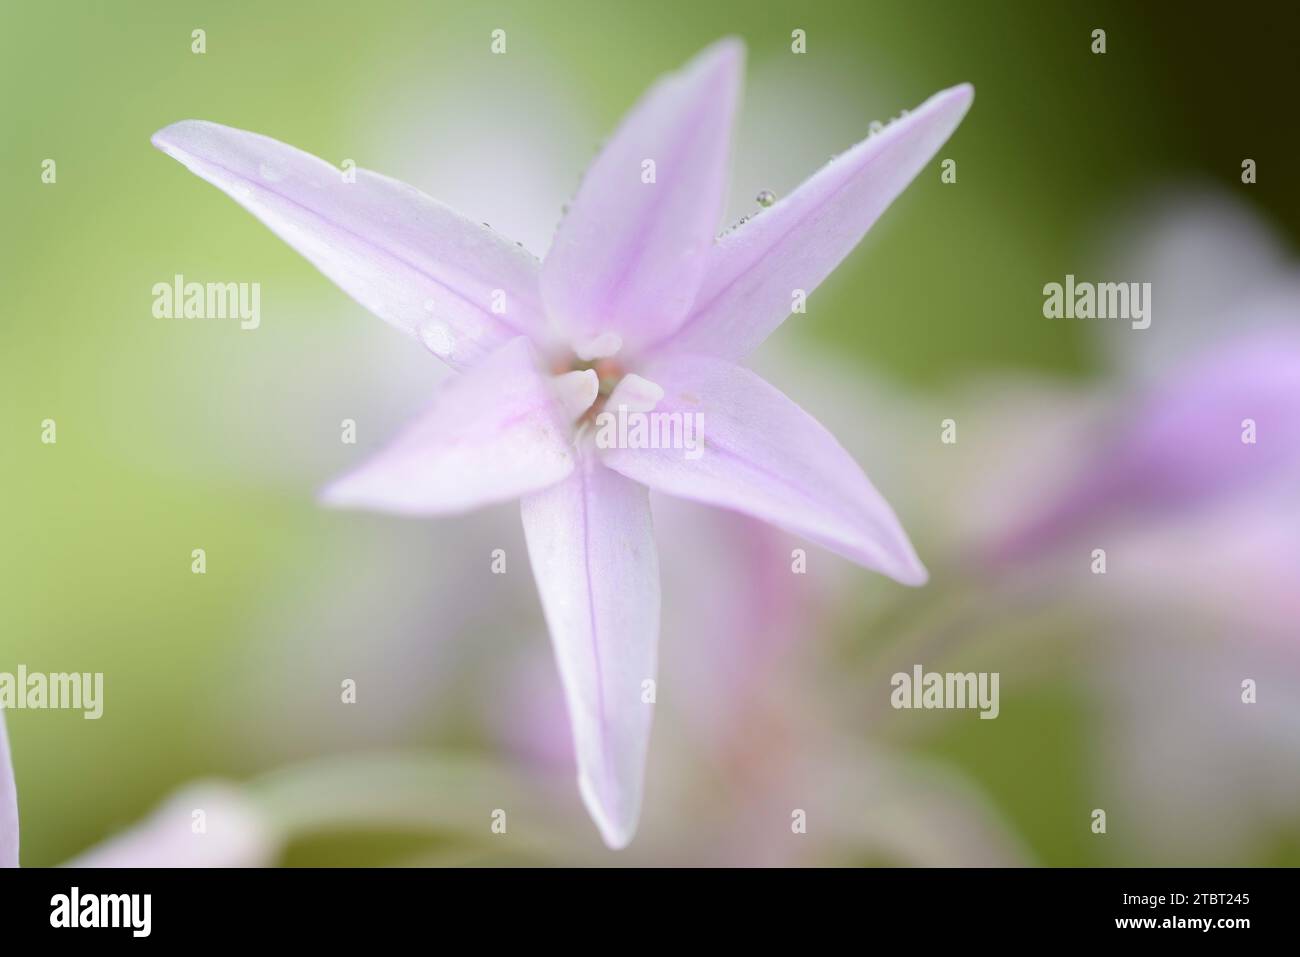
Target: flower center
x: 608, y: 374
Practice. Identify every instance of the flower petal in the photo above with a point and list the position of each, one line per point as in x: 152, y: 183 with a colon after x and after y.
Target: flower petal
x: 593, y: 554
x: 8, y: 803
x: 237, y: 833
x: 1222, y: 424
x: 407, y: 258
x: 752, y: 272
x: 766, y: 457
x: 494, y: 432
x: 628, y: 257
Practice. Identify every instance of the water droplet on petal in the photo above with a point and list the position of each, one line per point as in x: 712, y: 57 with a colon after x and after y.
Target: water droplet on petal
x: 437, y: 339
x: 874, y: 127
x: 765, y: 198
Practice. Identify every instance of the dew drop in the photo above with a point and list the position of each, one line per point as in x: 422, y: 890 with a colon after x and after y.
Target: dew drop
x: 765, y: 198
x: 436, y: 339
x: 874, y: 127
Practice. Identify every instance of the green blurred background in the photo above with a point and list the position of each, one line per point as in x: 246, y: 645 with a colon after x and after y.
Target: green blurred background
x: 175, y: 435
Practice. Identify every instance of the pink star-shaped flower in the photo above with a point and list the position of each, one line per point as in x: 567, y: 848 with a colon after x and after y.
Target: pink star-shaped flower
x: 638, y: 304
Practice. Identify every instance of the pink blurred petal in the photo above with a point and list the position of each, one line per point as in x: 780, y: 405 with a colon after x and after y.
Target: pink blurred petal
x: 592, y: 550
x: 752, y: 271
x: 235, y: 833
x: 8, y: 802
x: 1206, y: 252
x: 766, y: 457
x: 729, y: 576
x: 402, y: 255
x: 629, y: 255
x: 1185, y: 442
x: 533, y: 725
x: 1179, y: 444
x: 494, y: 432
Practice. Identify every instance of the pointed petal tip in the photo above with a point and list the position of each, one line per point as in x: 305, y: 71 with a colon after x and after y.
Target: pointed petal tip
x: 167, y: 138
x: 807, y: 233
x: 342, y: 495
x: 328, y: 496
x: 896, y: 559
x: 723, y: 61
x: 161, y: 140
x: 591, y: 547
x: 900, y: 562
x: 960, y: 97
x: 339, y: 495
x: 728, y: 50
x: 914, y: 575
x: 617, y: 834
x: 627, y: 259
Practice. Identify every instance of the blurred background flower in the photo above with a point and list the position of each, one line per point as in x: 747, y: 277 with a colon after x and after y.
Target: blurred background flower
x: 1120, y: 691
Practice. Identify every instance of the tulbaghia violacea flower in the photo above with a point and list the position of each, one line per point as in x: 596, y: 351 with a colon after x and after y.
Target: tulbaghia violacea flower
x: 638, y: 303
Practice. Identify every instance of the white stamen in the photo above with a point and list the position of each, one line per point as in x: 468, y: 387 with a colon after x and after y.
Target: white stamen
x: 635, y: 394
x: 577, y: 391
x: 598, y: 347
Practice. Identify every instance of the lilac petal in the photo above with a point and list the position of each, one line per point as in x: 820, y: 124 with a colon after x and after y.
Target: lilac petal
x: 593, y: 554
x: 494, y: 432
x: 1186, y: 444
x: 413, y: 262
x: 629, y: 255
x: 752, y: 272
x: 727, y: 576
x: 8, y: 803
x: 766, y: 457
x: 1180, y: 445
